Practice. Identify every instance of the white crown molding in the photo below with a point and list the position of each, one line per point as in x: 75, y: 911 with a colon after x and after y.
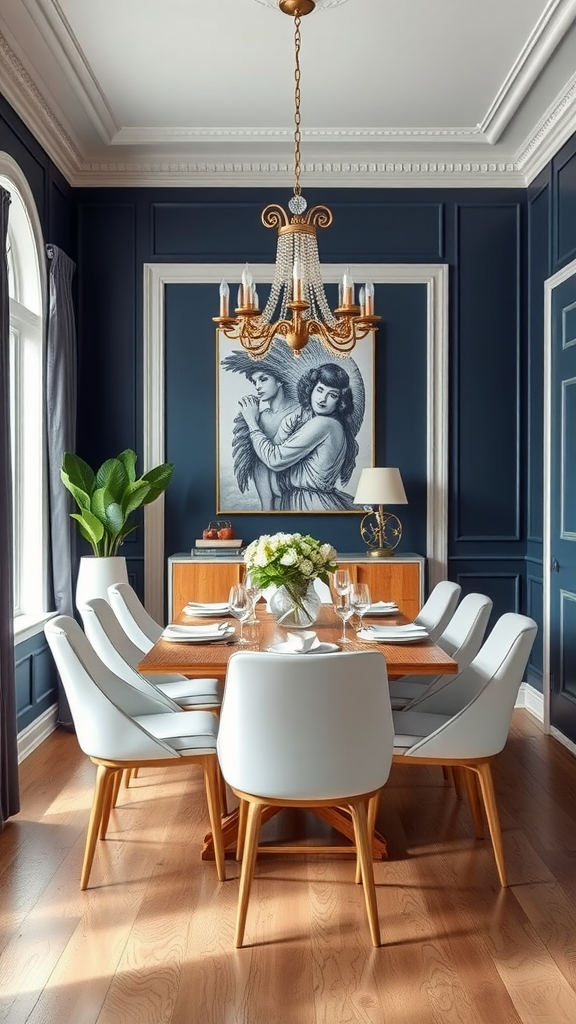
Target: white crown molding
x: 56, y: 32
x: 550, y: 134
x: 369, y: 174
x: 22, y: 93
x: 362, y: 136
x: 547, y: 34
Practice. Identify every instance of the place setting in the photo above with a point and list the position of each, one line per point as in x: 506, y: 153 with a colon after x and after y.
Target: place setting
x: 305, y: 641
x: 208, y: 609
x: 218, y: 632
x: 409, y: 633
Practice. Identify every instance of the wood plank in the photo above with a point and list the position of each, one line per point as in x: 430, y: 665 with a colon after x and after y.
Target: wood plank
x: 152, y: 938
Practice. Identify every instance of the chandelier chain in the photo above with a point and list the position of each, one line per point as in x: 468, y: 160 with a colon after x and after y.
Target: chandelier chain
x: 297, y: 135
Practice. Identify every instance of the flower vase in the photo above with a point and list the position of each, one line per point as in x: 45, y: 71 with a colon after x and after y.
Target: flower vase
x: 295, y: 605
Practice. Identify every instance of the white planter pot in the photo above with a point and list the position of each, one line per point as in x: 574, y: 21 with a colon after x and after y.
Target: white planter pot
x: 95, y: 575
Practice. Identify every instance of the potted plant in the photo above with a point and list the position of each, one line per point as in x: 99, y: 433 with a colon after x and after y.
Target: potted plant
x: 106, y: 503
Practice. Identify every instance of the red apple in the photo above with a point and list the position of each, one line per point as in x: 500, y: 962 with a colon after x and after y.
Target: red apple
x: 210, y: 534
x: 226, y: 533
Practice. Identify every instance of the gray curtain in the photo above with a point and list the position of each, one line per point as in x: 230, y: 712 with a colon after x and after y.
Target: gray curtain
x: 9, y: 797
x: 61, y: 384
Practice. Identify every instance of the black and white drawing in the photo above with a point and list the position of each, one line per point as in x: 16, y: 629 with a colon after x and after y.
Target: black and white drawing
x: 293, y: 432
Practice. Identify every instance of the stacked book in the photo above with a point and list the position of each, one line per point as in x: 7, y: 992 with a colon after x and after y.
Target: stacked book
x: 208, y: 548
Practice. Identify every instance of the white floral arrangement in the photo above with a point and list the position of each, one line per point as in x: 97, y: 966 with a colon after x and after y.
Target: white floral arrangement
x: 291, y: 560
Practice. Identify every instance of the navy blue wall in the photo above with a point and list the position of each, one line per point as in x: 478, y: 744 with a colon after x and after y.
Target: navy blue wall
x: 551, y: 244
x: 479, y: 233
x: 36, y: 683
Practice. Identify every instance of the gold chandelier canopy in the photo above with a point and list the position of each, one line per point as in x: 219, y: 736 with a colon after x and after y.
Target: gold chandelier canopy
x: 297, y: 308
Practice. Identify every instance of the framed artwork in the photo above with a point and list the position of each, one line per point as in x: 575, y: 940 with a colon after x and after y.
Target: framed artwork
x: 293, y: 432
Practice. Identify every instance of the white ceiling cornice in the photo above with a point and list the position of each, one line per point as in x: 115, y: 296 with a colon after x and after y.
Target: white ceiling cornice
x: 99, y: 152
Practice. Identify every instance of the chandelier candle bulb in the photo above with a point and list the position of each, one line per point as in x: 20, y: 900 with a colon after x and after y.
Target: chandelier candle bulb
x: 297, y: 281
x: 224, y: 299
x: 347, y: 289
x: 240, y: 299
x: 246, y: 287
x: 369, y: 293
x: 362, y: 302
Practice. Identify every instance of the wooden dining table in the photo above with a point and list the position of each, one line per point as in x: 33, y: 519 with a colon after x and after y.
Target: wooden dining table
x: 196, y: 660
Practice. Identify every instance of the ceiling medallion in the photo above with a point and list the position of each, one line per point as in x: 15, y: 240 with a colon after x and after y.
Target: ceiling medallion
x: 297, y: 308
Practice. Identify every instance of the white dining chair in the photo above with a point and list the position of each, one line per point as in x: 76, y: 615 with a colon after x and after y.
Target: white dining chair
x: 464, y: 726
x: 138, y: 625
x: 306, y: 731
x: 438, y: 609
x: 117, y: 651
x: 461, y: 639
x: 123, y: 727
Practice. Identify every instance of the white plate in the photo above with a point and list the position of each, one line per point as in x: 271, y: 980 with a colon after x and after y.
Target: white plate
x: 207, y: 609
x: 286, y: 648
x: 383, y: 608
x: 402, y: 638
x: 198, y: 638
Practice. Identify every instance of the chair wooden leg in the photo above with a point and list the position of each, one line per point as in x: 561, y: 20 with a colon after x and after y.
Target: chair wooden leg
x: 242, y: 817
x: 129, y: 774
x: 372, y: 812
x: 108, y: 801
x: 487, y: 788
x: 447, y: 773
x: 223, y: 794
x: 364, y: 847
x: 471, y: 783
x: 248, y: 865
x: 212, y: 778
x: 116, y: 787
x: 98, y: 802
x: 458, y: 782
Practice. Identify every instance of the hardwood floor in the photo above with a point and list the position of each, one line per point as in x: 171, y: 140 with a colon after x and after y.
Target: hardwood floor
x: 151, y: 940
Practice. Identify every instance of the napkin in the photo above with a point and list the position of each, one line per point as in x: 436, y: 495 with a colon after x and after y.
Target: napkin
x: 217, y: 607
x: 194, y: 632
x: 302, y: 641
x: 408, y: 629
x: 382, y: 606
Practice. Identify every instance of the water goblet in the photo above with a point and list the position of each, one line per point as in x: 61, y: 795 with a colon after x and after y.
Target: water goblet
x: 341, y: 581
x: 254, y: 594
x: 344, y: 611
x: 240, y: 607
x: 360, y: 600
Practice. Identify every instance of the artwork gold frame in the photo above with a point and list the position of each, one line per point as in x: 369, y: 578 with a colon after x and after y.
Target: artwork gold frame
x: 317, y: 435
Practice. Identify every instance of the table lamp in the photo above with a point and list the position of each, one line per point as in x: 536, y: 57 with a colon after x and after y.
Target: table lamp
x: 381, y: 531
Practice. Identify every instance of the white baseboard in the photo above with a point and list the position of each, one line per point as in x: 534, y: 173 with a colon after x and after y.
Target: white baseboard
x: 532, y: 700
x: 37, y: 732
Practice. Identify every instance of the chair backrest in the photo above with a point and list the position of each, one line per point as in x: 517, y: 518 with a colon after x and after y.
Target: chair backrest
x: 482, y: 701
x: 436, y: 612
x: 306, y: 726
x: 138, y: 625
x: 464, y: 634
x: 102, y: 704
x: 116, y: 650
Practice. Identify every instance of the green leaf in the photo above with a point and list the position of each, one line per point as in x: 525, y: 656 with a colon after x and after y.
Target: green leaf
x: 80, y: 496
x: 77, y: 472
x: 158, y: 478
x: 90, y: 527
x: 136, y: 496
x: 128, y: 460
x: 112, y: 477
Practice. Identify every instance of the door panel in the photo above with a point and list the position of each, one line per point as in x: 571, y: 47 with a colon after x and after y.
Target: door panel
x: 563, y: 510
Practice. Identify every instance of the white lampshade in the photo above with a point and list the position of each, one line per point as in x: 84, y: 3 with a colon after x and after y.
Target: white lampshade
x: 380, y: 486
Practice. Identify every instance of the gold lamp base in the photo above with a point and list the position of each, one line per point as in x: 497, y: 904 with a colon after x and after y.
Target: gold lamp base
x: 381, y: 532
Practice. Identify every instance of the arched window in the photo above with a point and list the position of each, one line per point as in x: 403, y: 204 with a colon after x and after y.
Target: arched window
x: 26, y: 280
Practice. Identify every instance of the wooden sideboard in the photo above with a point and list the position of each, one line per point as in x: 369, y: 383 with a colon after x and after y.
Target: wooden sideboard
x: 399, y: 578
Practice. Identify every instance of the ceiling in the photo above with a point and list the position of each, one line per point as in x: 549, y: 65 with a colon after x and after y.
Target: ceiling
x: 201, y: 92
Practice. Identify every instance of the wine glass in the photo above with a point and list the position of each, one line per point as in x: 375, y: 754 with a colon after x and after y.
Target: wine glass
x: 254, y: 593
x: 360, y: 600
x: 344, y: 611
x: 240, y: 607
x: 341, y: 581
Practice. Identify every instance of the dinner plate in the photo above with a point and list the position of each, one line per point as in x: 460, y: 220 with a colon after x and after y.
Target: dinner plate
x: 286, y: 648
x: 391, y: 638
x: 383, y: 608
x: 189, y: 637
x: 213, y: 610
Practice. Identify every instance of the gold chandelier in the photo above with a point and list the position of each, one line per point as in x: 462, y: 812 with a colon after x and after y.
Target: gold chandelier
x: 297, y: 308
